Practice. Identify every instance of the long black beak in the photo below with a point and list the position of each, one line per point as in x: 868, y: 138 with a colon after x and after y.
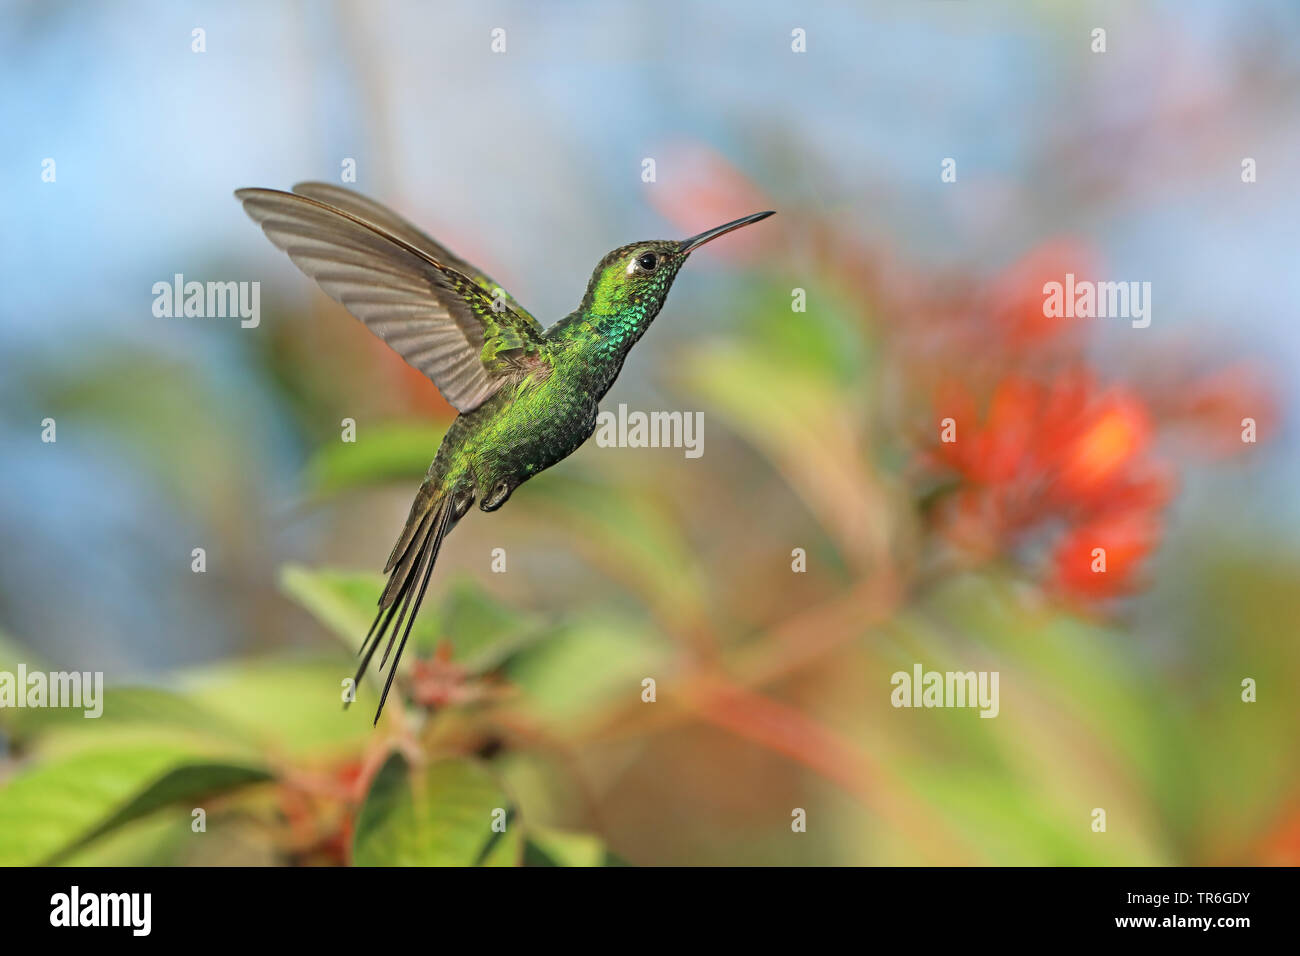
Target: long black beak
x: 689, y: 245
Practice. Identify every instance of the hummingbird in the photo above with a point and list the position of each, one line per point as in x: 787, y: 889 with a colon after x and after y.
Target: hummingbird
x: 527, y: 396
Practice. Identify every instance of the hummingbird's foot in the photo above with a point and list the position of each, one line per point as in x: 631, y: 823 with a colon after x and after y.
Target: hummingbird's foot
x: 495, y: 498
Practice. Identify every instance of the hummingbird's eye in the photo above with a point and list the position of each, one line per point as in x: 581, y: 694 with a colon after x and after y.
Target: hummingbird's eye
x: 648, y: 261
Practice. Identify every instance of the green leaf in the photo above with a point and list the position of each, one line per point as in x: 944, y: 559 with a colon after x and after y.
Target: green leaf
x: 159, y: 839
x: 629, y: 532
x: 588, y: 665
x: 70, y: 799
x: 549, y: 847
x: 127, y: 706
x: 481, y: 630
x: 384, y: 453
x: 439, y: 816
x: 188, y: 783
x: 291, y: 705
x: 344, y: 601
x: 770, y: 405
x: 1077, y: 727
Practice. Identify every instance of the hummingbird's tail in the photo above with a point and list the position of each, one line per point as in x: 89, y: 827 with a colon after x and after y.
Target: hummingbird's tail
x: 410, y: 563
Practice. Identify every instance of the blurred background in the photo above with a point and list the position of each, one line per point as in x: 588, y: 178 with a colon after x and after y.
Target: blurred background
x: 1120, y: 691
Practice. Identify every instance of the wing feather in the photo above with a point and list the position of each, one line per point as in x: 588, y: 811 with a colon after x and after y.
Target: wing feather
x: 366, y: 208
x: 442, y: 321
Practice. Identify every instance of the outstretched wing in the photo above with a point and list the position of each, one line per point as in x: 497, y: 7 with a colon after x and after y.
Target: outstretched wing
x: 389, y: 275
x: 379, y: 214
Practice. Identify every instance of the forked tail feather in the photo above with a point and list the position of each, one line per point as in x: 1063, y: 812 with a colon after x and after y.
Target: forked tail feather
x: 410, y: 565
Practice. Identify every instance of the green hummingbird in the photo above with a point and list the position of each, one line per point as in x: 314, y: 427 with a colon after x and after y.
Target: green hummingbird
x: 527, y: 396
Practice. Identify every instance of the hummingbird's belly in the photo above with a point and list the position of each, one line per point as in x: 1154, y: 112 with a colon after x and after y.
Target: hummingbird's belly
x: 516, y: 435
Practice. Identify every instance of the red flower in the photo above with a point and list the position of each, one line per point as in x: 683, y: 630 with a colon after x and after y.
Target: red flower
x: 1102, y: 557
x: 1100, y: 445
x: 1045, y: 456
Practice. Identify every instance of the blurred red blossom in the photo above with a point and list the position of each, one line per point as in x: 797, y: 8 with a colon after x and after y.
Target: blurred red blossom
x: 1213, y: 413
x: 438, y: 681
x: 1015, y: 296
x: 1068, y: 454
x: 318, y: 807
x: 1103, y: 556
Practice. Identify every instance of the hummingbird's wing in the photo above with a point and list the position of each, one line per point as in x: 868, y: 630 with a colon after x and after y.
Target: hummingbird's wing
x: 364, y: 208
x: 440, y: 320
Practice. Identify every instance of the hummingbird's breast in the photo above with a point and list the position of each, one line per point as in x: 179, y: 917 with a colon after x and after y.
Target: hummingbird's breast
x: 520, y: 431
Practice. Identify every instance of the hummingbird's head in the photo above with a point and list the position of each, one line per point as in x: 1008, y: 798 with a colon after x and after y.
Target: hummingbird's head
x: 635, y: 279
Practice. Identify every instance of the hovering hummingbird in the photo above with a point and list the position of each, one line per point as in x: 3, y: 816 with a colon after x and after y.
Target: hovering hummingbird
x: 527, y: 396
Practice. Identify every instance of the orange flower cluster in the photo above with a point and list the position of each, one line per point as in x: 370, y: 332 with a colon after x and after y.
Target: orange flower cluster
x: 1056, y: 458
x: 1066, y: 456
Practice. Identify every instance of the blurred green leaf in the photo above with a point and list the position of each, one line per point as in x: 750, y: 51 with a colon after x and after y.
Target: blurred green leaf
x: 344, y: 601
x: 549, y: 847
x: 1078, y: 727
x: 481, y: 630
x: 188, y: 784
x: 291, y: 705
x: 825, y: 342
x: 629, y: 532
x: 159, y: 839
x: 67, y: 800
x: 1235, y: 618
x: 589, y: 664
x: 737, y: 380
x: 439, y: 816
x: 128, y: 706
x: 382, y: 453
x: 808, y: 428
